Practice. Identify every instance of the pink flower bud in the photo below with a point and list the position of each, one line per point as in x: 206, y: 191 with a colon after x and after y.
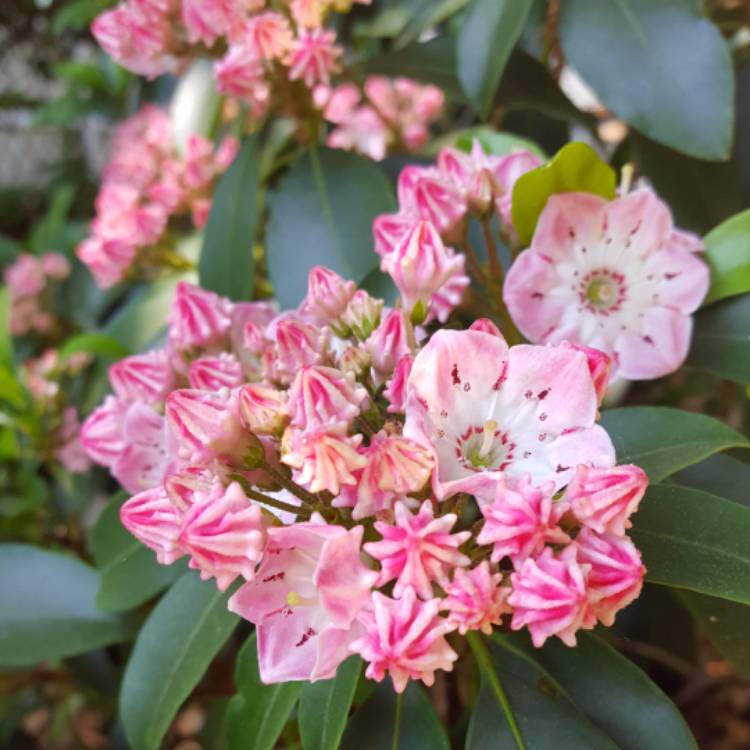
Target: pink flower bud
x: 314, y: 56
x: 475, y: 600
x: 341, y: 103
x: 214, y: 373
x: 604, y: 499
x: 362, y: 315
x: 152, y: 519
x: 101, y: 433
x: 270, y: 34
x: 240, y: 74
x: 389, y: 229
x: 298, y: 344
x: 25, y: 276
x: 207, y: 20
x: 327, y: 295
x: 197, y: 317
x: 262, y: 409
x: 392, y: 340
x: 56, y: 266
x: 485, y: 325
x: 181, y: 487
x: 143, y: 377
x: 422, y: 191
x: 355, y: 361
x: 395, y: 391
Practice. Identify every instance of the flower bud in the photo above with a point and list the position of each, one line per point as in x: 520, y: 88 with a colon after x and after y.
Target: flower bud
x: 262, y: 409
x: 197, y: 317
x: 214, y: 373
x: 327, y: 295
x: 143, y: 377
x: 362, y: 314
x: 392, y: 340
x: 152, y: 519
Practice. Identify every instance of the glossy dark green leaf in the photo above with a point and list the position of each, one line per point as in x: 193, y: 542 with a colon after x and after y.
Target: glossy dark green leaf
x: 48, y: 610
x: 728, y: 254
x: 378, y: 725
x: 721, y: 339
x: 324, y: 707
x: 691, y: 539
x: 182, y: 635
x: 426, y: 15
x: 646, y: 61
x: 317, y: 217
x: 546, y: 716
x: 226, y: 264
x: 615, y: 694
x: 725, y: 623
x: 575, y: 168
x: 257, y: 714
x: 98, y: 344
x: 662, y: 440
x: 721, y: 475
x: 489, y: 32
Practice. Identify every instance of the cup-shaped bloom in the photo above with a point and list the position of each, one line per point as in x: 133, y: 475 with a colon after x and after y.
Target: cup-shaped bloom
x: 425, y: 193
x: 489, y: 411
x: 418, y: 549
x: 404, y: 637
x: 197, y: 317
x: 327, y: 295
x: 475, y: 600
x: 321, y: 395
x: 304, y: 599
x: 420, y: 264
x: 604, y: 499
x: 224, y: 535
x: 550, y: 597
x: 362, y: 314
x: 392, y: 340
x: 609, y: 275
x: 101, y: 433
x: 298, y: 344
x: 616, y: 575
x: 521, y: 520
x: 144, y: 377
x: 395, y: 390
x: 314, y: 56
x: 152, y: 519
x: 262, y: 409
x: 214, y: 373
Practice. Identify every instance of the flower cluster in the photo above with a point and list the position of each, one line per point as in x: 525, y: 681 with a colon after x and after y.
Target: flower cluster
x: 374, y: 490
x: 148, y: 183
x: 392, y: 113
x: 31, y: 280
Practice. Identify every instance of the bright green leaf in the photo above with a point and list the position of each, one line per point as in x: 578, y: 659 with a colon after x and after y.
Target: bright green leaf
x: 99, y: 344
x: 728, y: 254
x: 647, y: 61
x: 182, y: 635
x: 720, y: 475
x: 324, y: 707
x: 257, y: 714
x: 48, y: 609
x: 691, y: 539
x: 575, y: 168
x: 662, y: 440
x: 226, y: 264
x: 7, y: 358
x: 495, y: 142
x: 489, y: 33
x: 318, y: 218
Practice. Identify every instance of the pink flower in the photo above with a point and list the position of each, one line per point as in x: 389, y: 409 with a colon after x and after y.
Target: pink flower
x: 106, y: 259
x: 550, y: 597
x: 240, y: 74
x: 392, y: 340
x: 405, y: 638
x: 448, y: 297
x: 55, y: 266
x: 70, y: 452
x: 395, y: 390
x: 327, y: 295
x: 270, y: 34
x: 304, y: 599
x: 395, y: 466
x: 298, y: 344
x: 183, y: 486
x: 207, y: 20
x: 364, y: 132
x: 223, y: 533
x: 325, y: 457
x: 389, y: 229
x: 485, y: 325
x: 604, y: 499
x: 600, y: 367
x: 420, y: 265
x: 262, y: 409
x: 362, y: 314
x: 339, y: 103
x: 142, y: 377
x: 521, y: 520
x: 101, y: 433
x: 418, y: 550
x: 616, y: 575
x: 423, y: 192
x: 214, y: 373
x: 314, y: 56
x: 322, y: 395
x: 506, y: 172
x: 475, y: 599
x: 609, y: 275
x: 489, y: 411
x: 197, y: 317
x: 152, y: 519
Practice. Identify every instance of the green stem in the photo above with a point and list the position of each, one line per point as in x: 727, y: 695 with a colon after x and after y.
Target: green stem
x: 397, y: 722
x: 253, y: 494
x: 307, y: 498
x: 496, y: 267
x: 484, y: 660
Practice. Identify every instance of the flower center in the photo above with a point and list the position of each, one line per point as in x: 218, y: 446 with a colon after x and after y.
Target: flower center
x: 602, y: 291
x: 484, y: 447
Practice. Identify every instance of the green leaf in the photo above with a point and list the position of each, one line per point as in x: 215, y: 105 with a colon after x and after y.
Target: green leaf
x: 99, y: 344
x: 129, y: 572
x: 647, y: 60
x: 498, y: 143
x: 7, y: 358
x: 615, y: 694
x: 427, y: 15
x: 257, y: 714
x: 662, y: 440
x: 49, y: 231
x: 728, y: 254
x: 691, y: 539
x: 322, y: 213
x: 48, y: 609
x: 324, y: 707
x: 574, y: 168
x: 486, y: 39
x: 721, y: 340
x: 720, y: 475
x: 226, y: 264
x: 725, y: 623
x: 182, y: 635
x: 78, y: 14
x: 381, y: 724
x: 547, y: 717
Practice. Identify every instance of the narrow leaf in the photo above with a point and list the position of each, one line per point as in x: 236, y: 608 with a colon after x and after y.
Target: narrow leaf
x: 728, y: 254
x: 6, y: 341
x: 98, y: 344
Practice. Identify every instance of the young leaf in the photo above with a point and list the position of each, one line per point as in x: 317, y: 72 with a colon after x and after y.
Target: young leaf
x: 98, y: 344
x: 720, y: 475
x: 226, y: 264
x: 182, y: 635
x: 647, y: 60
x: 574, y: 168
x: 322, y: 211
x: 691, y: 539
x: 48, y: 609
x: 662, y: 440
x: 728, y: 254
x: 324, y: 707
x: 489, y: 33
x: 257, y: 714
